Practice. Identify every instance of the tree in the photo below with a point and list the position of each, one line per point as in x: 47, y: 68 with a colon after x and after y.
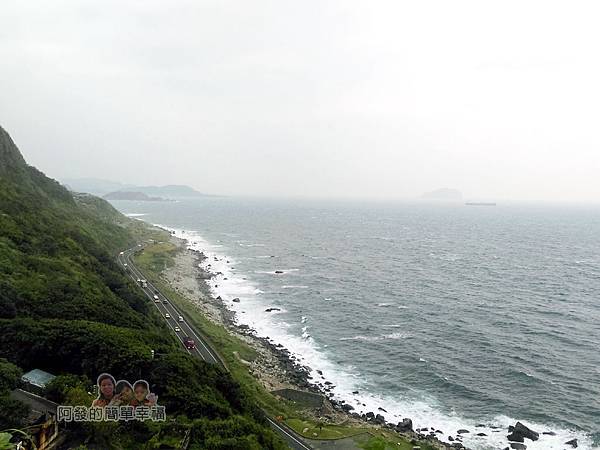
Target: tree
x: 12, y: 413
x: 9, y: 376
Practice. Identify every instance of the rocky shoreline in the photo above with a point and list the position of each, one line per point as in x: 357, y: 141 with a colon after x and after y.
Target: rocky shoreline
x: 277, y: 369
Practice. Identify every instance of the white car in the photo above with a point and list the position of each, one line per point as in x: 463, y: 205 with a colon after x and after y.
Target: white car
x: 125, y: 264
x: 121, y: 253
x: 155, y: 297
x: 180, y: 319
x: 156, y: 300
x: 167, y: 316
x: 177, y: 329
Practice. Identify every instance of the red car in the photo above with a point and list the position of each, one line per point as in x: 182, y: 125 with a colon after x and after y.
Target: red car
x: 189, y: 343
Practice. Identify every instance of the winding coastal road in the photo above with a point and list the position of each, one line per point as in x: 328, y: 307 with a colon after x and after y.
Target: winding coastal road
x: 203, y: 349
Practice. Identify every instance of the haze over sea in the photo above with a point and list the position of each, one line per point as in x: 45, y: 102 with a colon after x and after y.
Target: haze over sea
x: 451, y: 315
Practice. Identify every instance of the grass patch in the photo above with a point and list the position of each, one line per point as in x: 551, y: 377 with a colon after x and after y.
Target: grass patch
x: 386, y: 440
x: 324, y: 432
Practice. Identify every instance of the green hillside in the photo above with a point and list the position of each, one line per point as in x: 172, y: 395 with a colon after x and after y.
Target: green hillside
x: 67, y: 308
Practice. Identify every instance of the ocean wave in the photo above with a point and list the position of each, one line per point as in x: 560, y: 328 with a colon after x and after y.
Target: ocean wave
x: 383, y: 337
x: 424, y: 411
x: 449, y: 257
x: 293, y: 286
x: 276, y: 271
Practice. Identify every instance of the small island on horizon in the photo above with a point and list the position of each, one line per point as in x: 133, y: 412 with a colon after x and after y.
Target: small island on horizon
x: 443, y: 194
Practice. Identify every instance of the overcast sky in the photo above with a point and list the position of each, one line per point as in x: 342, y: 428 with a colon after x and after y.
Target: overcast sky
x: 348, y: 98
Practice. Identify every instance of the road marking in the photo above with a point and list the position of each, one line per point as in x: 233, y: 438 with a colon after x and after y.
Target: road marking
x: 152, y: 288
x: 149, y: 295
x: 280, y: 428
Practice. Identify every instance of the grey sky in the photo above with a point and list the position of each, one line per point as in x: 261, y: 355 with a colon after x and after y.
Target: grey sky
x: 316, y: 98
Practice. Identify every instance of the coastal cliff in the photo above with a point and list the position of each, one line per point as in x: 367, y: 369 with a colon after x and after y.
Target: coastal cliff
x: 67, y: 308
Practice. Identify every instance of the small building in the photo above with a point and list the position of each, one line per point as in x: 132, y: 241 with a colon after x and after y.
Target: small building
x: 36, y: 380
x: 41, y: 425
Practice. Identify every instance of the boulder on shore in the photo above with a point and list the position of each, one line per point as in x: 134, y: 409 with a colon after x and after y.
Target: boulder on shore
x: 405, y: 426
x: 572, y: 443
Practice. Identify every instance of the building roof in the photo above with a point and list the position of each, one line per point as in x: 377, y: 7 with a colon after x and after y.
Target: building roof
x: 38, y: 378
x: 40, y: 406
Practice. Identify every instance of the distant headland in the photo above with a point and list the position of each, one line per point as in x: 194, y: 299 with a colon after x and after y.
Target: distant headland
x: 102, y: 188
x: 133, y: 195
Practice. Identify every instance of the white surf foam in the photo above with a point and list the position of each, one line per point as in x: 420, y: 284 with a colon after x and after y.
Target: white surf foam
x: 424, y: 411
x: 383, y: 337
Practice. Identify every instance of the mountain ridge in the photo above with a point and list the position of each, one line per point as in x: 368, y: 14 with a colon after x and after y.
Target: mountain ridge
x: 102, y: 187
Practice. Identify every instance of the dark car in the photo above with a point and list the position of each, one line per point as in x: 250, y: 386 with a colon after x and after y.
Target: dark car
x: 189, y: 343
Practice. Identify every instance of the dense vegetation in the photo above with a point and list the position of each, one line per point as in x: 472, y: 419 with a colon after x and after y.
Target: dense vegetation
x: 67, y: 308
x: 12, y: 412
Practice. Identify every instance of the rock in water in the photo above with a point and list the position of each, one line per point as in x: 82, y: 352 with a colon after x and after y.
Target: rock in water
x: 572, y: 443
x: 518, y: 446
x: 515, y: 437
x: 520, y: 431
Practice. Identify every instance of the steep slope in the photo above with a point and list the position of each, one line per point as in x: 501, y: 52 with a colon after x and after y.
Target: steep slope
x: 66, y: 307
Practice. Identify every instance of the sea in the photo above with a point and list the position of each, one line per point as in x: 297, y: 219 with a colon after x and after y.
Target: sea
x: 456, y: 316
